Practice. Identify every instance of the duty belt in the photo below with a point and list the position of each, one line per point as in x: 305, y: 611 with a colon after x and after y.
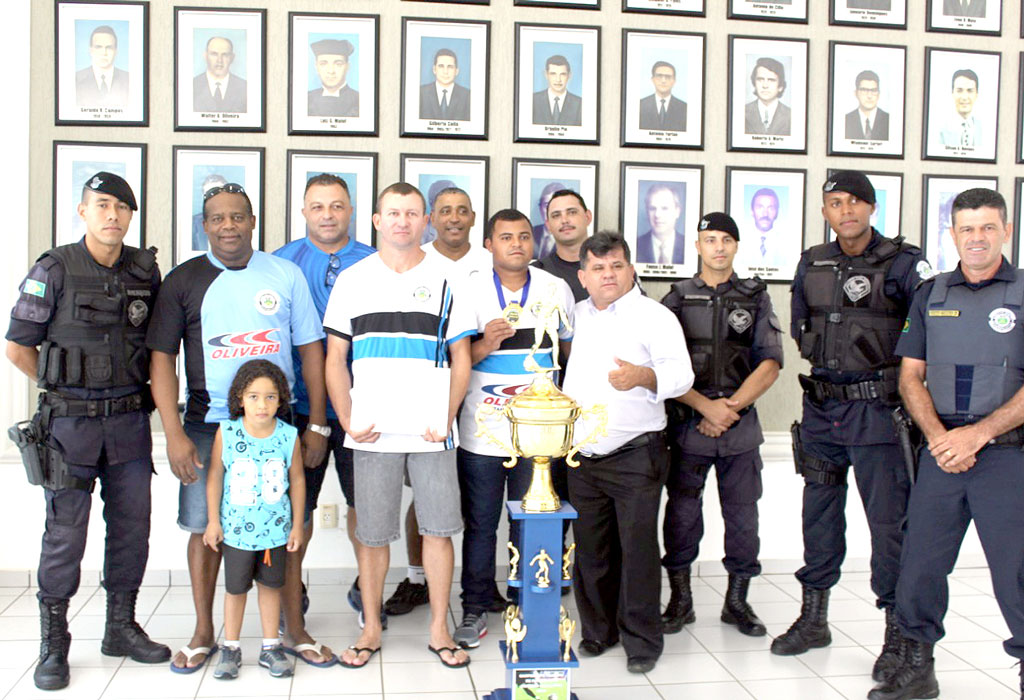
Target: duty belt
x: 91, y: 408
x: 819, y: 390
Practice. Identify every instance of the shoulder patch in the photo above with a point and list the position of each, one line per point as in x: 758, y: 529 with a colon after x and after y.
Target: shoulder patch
x: 35, y: 288
x: 924, y: 270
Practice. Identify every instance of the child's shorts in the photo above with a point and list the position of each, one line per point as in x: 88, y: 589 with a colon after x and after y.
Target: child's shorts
x: 242, y: 567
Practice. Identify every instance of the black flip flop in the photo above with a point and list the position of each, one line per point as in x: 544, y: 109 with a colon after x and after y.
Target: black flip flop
x: 452, y: 651
x: 358, y: 651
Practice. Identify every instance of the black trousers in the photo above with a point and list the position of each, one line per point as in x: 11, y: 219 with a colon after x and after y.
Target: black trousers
x: 617, y: 570
x: 942, y: 505
x: 124, y: 489
x: 739, y: 488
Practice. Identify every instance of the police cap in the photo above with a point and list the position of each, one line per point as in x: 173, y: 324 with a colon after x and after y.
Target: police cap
x: 719, y: 221
x: 335, y: 47
x: 114, y: 185
x: 852, y: 182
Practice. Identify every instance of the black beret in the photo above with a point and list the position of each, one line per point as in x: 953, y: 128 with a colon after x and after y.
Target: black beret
x: 341, y: 47
x: 719, y: 221
x: 114, y: 185
x: 852, y: 182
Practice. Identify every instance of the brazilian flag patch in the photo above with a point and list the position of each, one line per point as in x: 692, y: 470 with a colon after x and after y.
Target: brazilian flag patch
x: 35, y: 288
x: 906, y: 326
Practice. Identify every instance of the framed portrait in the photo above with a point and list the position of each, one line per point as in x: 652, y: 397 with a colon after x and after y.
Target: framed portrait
x: 937, y: 203
x: 444, y: 78
x: 557, y: 83
x: 534, y: 182
x: 661, y: 205
x: 102, y: 63
x: 571, y: 4
x: 665, y: 7
x: 768, y: 207
x: 867, y: 99
x: 456, y: 2
x: 1020, y: 115
x: 358, y: 170
x: 970, y: 16
x: 776, y: 10
x: 663, y: 89
x: 767, y: 94
x: 961, y: 104
x: 431, y: 174
x: 74, y: 164
x: 891, y: 14
x: 220, y: 68
x: 332, y: 73
x: 1018, y: 202
x: 888, y: 204
x: 198, y: 169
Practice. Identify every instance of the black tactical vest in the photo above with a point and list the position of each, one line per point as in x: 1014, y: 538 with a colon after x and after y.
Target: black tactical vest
x: 96, y: 338
x: 853, y: 326
x: 719, y: 330
x: 975, y: 338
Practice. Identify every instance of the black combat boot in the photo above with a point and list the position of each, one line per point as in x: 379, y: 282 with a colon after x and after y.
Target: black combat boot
x: 52, y: 671
x: 914, y: 678
x: 679, y: 610
x: 889, y: 660
x: 810, y: 631
x: 124, y: 636
x: 736, y: 610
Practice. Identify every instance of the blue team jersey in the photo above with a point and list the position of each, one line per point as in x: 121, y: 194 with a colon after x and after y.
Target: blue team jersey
x: 228, y: 316
x: 315, y: 264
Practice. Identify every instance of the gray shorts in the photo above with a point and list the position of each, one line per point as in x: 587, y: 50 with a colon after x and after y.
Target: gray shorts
x: 192, y: 497
x: 435, y: 490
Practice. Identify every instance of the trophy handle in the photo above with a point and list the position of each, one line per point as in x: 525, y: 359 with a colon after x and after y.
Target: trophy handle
x: 601, y: 412
x: 482, y: 412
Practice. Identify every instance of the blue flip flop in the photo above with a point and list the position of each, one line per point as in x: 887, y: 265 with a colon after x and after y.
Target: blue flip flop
x: 317, y: 648
x: 189, y: 653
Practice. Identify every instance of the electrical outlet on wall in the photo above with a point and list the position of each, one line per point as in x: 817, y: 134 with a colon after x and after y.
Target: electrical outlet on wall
x: 328, y: 515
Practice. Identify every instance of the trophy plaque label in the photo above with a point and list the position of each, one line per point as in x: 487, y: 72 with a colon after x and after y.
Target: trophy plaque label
x: 543, y: 683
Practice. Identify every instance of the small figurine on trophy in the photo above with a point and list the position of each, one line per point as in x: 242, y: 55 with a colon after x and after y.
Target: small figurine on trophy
x: 550, y: 317
x: 566, y: 629
x: 513, y: 562
x: 542, y: 560
x: 515, y: 632
x: 567, y: 562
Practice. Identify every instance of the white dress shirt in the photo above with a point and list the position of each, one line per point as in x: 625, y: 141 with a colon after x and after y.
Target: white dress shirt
x: 766, y: 112
x: 212, y: 83
x: 663, y: 247
x: 635, y: 329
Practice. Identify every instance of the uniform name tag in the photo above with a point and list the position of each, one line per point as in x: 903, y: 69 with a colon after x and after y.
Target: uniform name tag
x: 948, y: 313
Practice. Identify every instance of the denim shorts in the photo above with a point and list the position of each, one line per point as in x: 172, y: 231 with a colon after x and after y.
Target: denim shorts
x: 435, y: 489
x: 192, y: 497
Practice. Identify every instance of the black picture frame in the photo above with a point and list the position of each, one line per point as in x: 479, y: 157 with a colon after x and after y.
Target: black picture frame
x: 469, y: 42
x: 455, y: 2
x: 567, y: 4
x: 885, y: 220
x: 249, y: 161
x: 237, y: 113
x: 637, y: 125
x: 1020, y: 114
x: 941, y: 16
x: 796, y: 13
x: 691, y: 8
x: 359, y: 171
x: 868, y: 15
x: 1018, y: 202
x: 73, y: 163
x: 846, y: 133
x: 941, y: 135
x: 580, y: 117
x: 358, y: 114
x: 123, y: 103
x: 432, y: 172
x: 744, y: 188
x: 532, y: 176
x: 935, y: 213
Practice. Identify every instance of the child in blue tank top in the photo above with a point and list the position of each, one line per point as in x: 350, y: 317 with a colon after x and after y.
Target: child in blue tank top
x: 255, y: 492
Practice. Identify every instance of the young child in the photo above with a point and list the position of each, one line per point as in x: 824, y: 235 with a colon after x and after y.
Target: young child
x: 255, y: 492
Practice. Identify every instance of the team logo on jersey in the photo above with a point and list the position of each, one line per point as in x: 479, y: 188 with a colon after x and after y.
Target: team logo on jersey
x: 231, y: 346
x: 137, y: 312
x: 740, y: 320
x: 499, y: 394
x: 421, y: 294
x: 857, y: 287
x: 267, y: 302
x: 925, y: 271
x: 1002, y: 320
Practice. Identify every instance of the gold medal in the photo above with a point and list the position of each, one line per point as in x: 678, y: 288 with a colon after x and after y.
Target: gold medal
x: 512, y: 313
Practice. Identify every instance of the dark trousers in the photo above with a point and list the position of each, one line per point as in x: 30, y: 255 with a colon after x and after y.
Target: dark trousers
x: 124, y: 489
x: 941, y: 507
x: 617, y: 571
x: 739, y: 488
x: 884, y: 489
x: 483, y: 481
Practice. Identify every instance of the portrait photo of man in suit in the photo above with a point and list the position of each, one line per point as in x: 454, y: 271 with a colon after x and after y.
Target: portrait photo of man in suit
x: 963, y: 8
x: 555, y: 104
x: 335, y: 97
x: 101, y: 83
x: 444, y: 98
x: 199, y: 240
x: 662, y: 111
x: 867, y: 122
x: 543, y: 241
x: 963, y: 128
x: 217, y: 89
x: 766, y: 114
x: 767, y: 248
x: 663, y: 243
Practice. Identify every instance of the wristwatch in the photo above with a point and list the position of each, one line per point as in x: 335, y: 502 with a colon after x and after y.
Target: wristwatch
x: 324, y: 430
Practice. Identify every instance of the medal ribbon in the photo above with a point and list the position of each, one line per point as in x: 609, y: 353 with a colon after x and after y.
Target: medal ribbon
x: 501, y: 293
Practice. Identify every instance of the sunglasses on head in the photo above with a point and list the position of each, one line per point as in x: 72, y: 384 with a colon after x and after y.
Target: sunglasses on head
x: 230, y: 188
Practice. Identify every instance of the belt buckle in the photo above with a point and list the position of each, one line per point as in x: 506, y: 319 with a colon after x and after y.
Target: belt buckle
x: 91, y: 409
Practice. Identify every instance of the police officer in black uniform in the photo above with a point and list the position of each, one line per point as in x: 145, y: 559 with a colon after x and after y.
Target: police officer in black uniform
x: 849, y: 300
x: 78, y: 328
x: 964, y: 333
x: 735, y: 345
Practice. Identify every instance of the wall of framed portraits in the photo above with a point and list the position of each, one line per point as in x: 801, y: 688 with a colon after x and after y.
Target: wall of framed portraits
x: 656, y: 110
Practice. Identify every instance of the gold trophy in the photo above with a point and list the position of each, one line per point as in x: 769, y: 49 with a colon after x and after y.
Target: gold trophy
x: 542, y: 417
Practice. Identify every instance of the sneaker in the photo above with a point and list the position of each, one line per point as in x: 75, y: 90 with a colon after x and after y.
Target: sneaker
x: 274, y: 659
x: 355, y: 599
x: 406, y: 597
x: 471, y: 631
x: 228, y: 664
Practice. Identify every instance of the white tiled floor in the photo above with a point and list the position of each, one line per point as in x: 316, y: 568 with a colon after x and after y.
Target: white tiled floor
x: 706, y: 661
